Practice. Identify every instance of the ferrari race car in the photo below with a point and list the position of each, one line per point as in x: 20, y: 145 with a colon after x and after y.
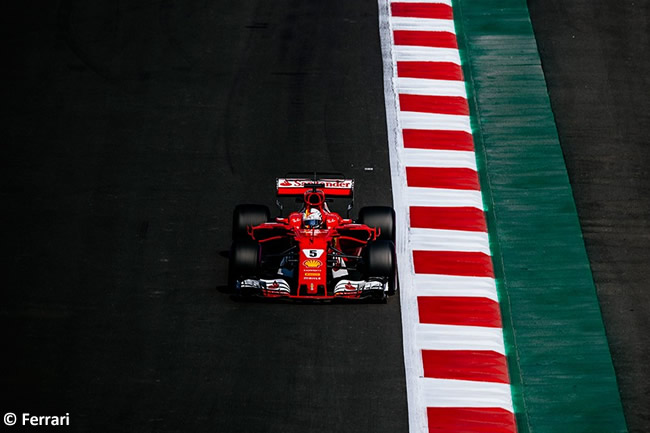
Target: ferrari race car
x: 313, y: 253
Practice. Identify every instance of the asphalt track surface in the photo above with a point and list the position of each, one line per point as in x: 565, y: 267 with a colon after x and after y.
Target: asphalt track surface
x: 131, y: 130
x: 596, y: 59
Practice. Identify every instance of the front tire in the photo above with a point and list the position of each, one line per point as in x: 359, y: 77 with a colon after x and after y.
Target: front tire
x: 246, y: 215
x: 244, y: 261
x: 380, y: 262
x: 381, y: 217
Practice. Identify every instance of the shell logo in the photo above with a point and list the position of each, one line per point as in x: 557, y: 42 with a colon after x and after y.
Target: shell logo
x: 312, y: 263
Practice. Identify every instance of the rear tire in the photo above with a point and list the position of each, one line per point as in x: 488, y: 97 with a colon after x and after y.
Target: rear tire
x: 381, y: 217
x: 379, y: 259
x: 246, y: 215
x: 244, y: 261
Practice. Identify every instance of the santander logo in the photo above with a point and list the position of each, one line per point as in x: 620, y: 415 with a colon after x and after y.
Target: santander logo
x: 329, y: 183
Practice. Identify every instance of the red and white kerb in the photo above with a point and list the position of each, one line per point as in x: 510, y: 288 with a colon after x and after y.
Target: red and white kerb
x: 456, y: 369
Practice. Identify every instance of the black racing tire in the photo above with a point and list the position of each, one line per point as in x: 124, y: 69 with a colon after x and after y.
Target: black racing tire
x: 381, y: 217
x: 244, y: 261
x: 380, y: 262
x: 246, y: 215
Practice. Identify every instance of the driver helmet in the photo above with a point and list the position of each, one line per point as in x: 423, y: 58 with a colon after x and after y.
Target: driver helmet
x: 312, y: 219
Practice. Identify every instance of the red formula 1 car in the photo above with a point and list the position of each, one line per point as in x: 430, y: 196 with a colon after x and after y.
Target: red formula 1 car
x: 313, y: 253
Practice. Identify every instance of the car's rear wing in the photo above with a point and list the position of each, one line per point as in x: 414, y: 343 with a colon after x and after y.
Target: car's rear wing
x: 294, y: 186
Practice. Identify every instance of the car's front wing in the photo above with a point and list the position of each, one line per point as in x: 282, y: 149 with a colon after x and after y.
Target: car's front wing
x: 343, y: 289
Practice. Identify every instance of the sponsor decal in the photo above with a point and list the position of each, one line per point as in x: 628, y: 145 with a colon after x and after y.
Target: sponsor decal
x: 312, y: 263
x: 329, y: 183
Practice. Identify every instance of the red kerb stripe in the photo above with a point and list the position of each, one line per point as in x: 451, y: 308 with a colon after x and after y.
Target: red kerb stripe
x: 434, y: 104
x: 425, y: 38
x: 470, y: 420
x: 462, y: 263
x: 422, y: 10
x: 443, y: 140
x: 430, y: 70
x: 436, y: 177
x: 448, y: 218
x: 481, y: 365
x: 460, y: 311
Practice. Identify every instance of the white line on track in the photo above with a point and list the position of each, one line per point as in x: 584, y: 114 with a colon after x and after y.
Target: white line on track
x: 464, y: 393
x: 423, y: 86
x: 438, y: 197
x: 423, y: 24
x: 408, y: 301
x: 453, y: 337
x: 448, y: 240
x: 446, y: 2
x: 438, y: 158
x: 454, y: 285
x: 407, y: 53
x: 434, y: 121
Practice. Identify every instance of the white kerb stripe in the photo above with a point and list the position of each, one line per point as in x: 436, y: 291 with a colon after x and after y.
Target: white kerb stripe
x: 423, y: 86
x: 448, y: 240
x: 416, y: 196
x: 407, y: 53
x: 423, y: 24
x: 454, y: 285
x: 464, y: 393
x: 438, y: 158
x: 434, y: 121
x: 452, y: 337
x: 445, y: 2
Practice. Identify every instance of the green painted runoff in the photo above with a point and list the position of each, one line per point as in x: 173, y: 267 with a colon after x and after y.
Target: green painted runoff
x: 560, y: 366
